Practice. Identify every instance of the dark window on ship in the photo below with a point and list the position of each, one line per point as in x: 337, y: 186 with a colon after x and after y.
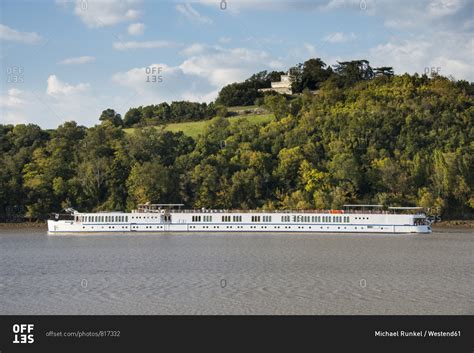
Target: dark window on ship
x: 255, y: 218
x: 267, y: 218
x: 237, y: 218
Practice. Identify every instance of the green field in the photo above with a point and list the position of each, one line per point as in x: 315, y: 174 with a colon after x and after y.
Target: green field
x: 195, y: 128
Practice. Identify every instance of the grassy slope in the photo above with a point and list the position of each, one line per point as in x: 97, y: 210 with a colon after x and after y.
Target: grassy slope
x: 195, y: 128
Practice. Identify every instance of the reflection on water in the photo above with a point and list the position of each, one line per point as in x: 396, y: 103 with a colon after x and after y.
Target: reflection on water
x: 236, y: 273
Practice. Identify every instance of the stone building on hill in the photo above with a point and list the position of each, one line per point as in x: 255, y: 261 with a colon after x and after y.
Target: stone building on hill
x: 283, y: 86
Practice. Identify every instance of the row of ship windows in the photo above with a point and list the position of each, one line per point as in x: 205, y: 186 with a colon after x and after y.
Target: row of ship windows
x: 324, y: 219
x: 112, y: 219
x: 266, y: 219
x: 208, y: 218
x: 201, y: 219
x: 102, y: 218
x: 223, y: 218
x: 124, y: 227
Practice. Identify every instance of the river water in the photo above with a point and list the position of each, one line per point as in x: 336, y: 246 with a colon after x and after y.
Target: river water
x: 236, y: 273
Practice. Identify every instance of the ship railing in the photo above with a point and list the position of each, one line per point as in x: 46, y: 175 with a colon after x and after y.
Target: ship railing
x: 61, y: 217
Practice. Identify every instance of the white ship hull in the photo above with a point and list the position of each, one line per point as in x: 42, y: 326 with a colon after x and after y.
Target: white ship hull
x: 247, y: 222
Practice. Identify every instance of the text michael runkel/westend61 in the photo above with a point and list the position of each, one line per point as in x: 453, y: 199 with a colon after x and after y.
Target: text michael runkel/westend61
x: 425, y: 333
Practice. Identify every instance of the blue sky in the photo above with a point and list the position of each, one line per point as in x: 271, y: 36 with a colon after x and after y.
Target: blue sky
x: 69, y: 60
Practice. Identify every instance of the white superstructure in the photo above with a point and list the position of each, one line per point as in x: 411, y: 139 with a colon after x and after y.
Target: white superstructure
x: 161, y: 218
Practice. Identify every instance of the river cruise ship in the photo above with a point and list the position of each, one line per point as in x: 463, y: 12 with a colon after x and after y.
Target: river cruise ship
x: 159, y: 218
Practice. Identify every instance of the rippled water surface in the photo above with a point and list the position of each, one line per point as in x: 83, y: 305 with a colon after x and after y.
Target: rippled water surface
x: 236, y: 273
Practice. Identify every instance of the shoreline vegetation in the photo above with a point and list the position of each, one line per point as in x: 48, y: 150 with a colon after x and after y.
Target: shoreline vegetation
x: 450, y: 224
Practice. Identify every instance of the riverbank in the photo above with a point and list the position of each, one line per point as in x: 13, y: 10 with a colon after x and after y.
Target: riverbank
x: 459, y: 224
x: 23, y: 225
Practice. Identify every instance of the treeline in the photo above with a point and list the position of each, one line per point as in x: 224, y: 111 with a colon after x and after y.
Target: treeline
x: 309, y: 75
x: 394, y: 140
x: 165, y: 113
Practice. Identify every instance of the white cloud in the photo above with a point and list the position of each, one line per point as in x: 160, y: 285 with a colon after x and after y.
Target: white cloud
x: 199, y: 77
x: 77, y: 60
x: 277, y: 65
x: 58, y: 103
x: 136, y: 29
x: 7, y: 33
x: 101, y: 13
x: 192, y: 14
x: 339, y: 37
x: 13, y: 99
x: 142, y: 45
x: 225, y: 40
x: 171, y: 83
x: 236, y: 6
x: 194, y: 49
x: 453, y: 55
x: 56, y: 87
x: 223, y: 66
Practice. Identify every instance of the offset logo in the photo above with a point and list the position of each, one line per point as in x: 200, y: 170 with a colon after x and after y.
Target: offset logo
x: 23, y: 333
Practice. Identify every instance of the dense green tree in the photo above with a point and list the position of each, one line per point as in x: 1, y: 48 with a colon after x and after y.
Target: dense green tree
x: 236, y: 94
x: 309, y: 75
x: 112, y: 116
x: 350, y: 72
x: 149, y: 181
x: 132, y: 117
x: 277, y: 104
